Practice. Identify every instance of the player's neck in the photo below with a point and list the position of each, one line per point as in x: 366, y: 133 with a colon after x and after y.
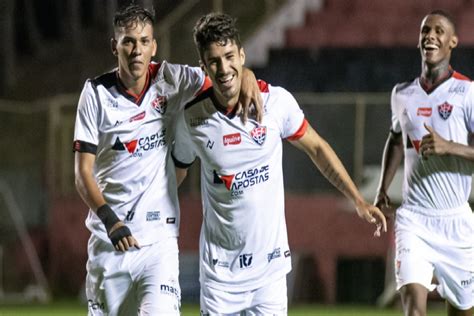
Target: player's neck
x: 132, y: 85
x: 432, y: 75
x: 226, y: 105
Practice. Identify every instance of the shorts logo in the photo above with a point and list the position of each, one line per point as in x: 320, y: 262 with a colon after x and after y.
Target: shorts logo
x: 171, y: 220
x: 259, y: 134
x: 232, y: 139
x: 287, y: 253
x: 95, y: 305
x: 245, y: 260
x: 445, y: 110
x: 160, y: 104
x: 169, y: 290
x: 153, y: 216
x: 424, y: 112
x: 467, y: 283
x: 276, y: 253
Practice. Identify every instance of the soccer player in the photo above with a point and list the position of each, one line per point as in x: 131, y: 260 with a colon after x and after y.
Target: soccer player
x: 244, y: 252
x: 124, y: 173
x: 432, y: 119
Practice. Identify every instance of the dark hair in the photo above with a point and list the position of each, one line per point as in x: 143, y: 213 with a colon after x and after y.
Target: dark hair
x: 132, y: 14
x: 215, y: 28
x: 446, y: 15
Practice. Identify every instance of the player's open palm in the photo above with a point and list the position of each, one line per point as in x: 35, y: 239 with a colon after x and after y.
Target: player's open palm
x: 373, y: 215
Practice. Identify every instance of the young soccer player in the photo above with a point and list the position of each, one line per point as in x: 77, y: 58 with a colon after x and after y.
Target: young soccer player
x: 244, y: 252
x: 123, y: 172
x: 432, y: 120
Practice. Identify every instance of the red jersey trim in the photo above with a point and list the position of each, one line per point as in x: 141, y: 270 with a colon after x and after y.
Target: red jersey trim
x: 205, y: 85
x: 459, y: 76
x: 262, y: 85
x: 300, y: 132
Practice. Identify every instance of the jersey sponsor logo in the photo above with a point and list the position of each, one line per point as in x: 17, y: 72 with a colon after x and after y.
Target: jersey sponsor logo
x: 287, y: 253
x: 130, y: 215
x: 424, y: 112
x: 245, y: 260
x: 232, y: 139
x: 259, y: 134
x: 170, y: 220
x: 111, y: 103
x: 445, y: 110
x: 138, y: 117
x: 276, y: 253
x: 243, y: 179
x: 153, y: 216
x: 219, y: 263
x: 143, y: 144
x: 199, y: 121
x: 160, y: 104
x: 460, y: 89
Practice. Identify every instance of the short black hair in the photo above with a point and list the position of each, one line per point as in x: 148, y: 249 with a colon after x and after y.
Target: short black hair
x: 132, y: 14
x: 445, y: 15
x: 215, y: 28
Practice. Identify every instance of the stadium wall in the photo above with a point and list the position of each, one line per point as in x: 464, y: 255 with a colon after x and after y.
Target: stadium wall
x: 324, y: 227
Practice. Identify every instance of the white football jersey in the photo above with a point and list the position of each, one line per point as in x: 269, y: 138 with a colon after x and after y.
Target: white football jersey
x: 439, y: 182
x: 243, y: 243
x: 130, y: 135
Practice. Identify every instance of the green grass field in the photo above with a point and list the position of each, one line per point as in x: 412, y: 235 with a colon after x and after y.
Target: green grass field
x: 76, y: 309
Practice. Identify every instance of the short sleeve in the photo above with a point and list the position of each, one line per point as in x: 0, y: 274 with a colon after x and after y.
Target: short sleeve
x: 292, y: 121
x: 396, y: 128
x: 86, y: 125
x: 183, y: 150
x: 469, y: 108
x: 189, y: 80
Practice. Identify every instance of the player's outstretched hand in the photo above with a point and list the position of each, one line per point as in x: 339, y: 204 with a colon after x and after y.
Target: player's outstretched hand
x: 249, y: 94
x: 122, y: 238
x: 373, y: 215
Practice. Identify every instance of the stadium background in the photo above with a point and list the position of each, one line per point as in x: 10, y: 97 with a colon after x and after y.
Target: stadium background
x: 339, y: 58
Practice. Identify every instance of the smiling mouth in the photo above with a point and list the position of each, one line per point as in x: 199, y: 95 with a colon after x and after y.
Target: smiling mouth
x: 430, y: 48
x: 225, y: 81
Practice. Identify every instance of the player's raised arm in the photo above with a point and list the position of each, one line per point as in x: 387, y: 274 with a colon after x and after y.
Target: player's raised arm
x: 86, y: 185
x: 326, y: 160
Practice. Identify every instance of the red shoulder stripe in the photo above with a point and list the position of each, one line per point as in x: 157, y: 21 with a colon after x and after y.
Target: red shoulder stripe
x: 300, y: 132
x: 459, y: 76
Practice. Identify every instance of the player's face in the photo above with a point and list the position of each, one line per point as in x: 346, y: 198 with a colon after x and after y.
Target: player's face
x: 437, y: 39
x: 134, y: 47
x: 223, y: 64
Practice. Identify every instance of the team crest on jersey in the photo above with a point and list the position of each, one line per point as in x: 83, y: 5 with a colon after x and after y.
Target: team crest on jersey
x: 259, y: 134
x: 445, y: 110
x: 159, y: 104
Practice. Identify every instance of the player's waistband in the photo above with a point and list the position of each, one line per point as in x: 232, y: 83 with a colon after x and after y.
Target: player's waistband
x: 433, y: 212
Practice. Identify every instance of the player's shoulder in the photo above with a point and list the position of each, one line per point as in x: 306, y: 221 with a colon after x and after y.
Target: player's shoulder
x: 460, y: 77
x: 173, y: 72
x: 204, y: 95
x: 107, y: 80
x: 404, y: 87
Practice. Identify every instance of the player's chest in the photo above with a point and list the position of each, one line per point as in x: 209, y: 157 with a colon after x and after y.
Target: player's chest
x: 443, y: 112
x: 222, y: 141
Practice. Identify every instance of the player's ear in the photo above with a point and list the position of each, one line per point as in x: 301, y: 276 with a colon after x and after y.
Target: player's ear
x: 453, y: 42
x: 155, y: 46
x: 242, y: 55
x: 113, y: 46
x: 203, y: 67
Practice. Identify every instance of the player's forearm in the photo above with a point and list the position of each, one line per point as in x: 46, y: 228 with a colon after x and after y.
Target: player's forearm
x: 391, y: 160
x: 462, y: 151
x: 85, y: 182
x: 332, y: 168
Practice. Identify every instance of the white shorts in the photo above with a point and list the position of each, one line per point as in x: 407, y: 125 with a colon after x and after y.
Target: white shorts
x: 437, y: 243
x: 136, y: 282
x: 270, y: 299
